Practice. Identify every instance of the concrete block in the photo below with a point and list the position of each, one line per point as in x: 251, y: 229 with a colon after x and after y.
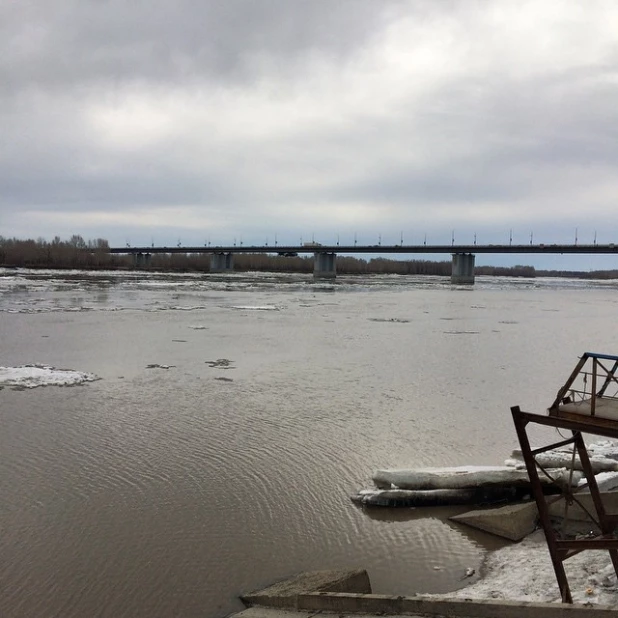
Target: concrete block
x: 489, y: 608
x: 352, y: 603
x: 270, y: 612
x: 376, y: 604
x: 513, y: 521
x: 285, y: 593
x: 576, y: 513
x: 516, y: 521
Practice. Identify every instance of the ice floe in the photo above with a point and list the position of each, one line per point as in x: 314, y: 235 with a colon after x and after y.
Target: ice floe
x: 31, y: 376
x: 220, y: 363
x: 255, y: 307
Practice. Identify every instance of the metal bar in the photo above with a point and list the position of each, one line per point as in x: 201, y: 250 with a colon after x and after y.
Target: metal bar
x: 610, y: 377
x: 551, y: 447
x: 562, y: 392
x: 613, y: 357
x: 572, y: 552
x: 581, y: 544
x: 593, y: 394
x: 576, y: 422
x: 592, y: 481
x: 584, y: 508
x: 520, y: 421
x: 607, y: 522
x: 567, y: 501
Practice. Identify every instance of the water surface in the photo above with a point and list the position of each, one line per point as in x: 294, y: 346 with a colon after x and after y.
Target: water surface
x: 160, y: 492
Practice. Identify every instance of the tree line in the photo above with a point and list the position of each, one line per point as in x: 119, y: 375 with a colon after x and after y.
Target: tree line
x: 94, y: 254
x: 72, y: 253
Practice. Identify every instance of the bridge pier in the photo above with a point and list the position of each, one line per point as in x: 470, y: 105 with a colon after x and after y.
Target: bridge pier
x: 463, y: 269
x: 142, y: 260
x: 324, y: 265
x: 221, y: 262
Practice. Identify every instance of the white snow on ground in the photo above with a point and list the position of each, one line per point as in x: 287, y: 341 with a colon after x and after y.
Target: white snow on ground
x: 31, y: 376
x: 523, y: 572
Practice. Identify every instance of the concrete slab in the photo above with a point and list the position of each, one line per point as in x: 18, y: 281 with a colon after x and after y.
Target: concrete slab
x: 341, y: 605
x: 577, y: 513
x: 285, y: 594
x: 513, y: 521
x: 516, y: 521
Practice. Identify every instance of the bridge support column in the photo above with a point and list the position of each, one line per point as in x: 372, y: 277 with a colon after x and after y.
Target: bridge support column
x: 142, y: 260
x: 324, y: 265
x: 221, y: 262
x: 463, y: 269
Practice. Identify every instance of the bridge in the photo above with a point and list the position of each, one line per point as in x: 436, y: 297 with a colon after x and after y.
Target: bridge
x: 463, y: 256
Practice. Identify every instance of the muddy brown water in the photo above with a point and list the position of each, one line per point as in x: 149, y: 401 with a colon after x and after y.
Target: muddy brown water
x: 235, y: 416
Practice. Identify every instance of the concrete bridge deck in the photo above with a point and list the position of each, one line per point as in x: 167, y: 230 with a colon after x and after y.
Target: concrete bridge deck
x: 600, y: 249
x: 463, y: 256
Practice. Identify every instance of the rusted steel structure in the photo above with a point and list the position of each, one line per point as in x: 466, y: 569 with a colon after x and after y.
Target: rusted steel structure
x: 587, y: 403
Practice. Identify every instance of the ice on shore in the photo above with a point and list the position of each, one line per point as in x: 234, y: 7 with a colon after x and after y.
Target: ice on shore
x: 524, y: 572
x: 564, y: 459
x: 31, y: 376
x: 460, y: 477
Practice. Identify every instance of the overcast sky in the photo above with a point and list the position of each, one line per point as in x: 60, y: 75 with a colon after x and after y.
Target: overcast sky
x: 195, y: 120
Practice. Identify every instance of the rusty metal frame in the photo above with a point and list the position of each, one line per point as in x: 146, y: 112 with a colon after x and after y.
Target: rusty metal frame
x: 598, y: 371
x: 561, y: 549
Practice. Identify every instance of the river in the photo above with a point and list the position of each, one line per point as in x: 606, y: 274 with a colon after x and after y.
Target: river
x: 235, y: 415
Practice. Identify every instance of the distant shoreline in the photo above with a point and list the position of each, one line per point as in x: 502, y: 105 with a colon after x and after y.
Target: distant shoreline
x: 76, y: 253
x: 490, y: 271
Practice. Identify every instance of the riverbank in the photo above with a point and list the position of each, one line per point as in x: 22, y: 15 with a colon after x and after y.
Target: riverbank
x: 349, y: 592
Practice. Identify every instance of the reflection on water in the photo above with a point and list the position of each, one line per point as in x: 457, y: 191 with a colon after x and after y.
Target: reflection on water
x: 235, y: 417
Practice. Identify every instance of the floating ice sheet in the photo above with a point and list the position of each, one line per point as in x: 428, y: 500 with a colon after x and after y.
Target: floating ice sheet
x: 31, y: 376
x: 255, y: 307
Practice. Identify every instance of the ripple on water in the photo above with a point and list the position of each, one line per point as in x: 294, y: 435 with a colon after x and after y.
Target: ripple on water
x: 168, y: 492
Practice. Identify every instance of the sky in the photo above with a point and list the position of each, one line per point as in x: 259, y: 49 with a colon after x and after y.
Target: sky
x: 199, y: 121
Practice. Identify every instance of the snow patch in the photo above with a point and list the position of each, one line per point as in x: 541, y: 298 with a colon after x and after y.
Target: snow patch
x: 523, y: 572
x: 31, y: 376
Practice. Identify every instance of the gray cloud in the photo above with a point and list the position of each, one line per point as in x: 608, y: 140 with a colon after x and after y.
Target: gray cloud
x: 66, y: 43
x: 244, y: 118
